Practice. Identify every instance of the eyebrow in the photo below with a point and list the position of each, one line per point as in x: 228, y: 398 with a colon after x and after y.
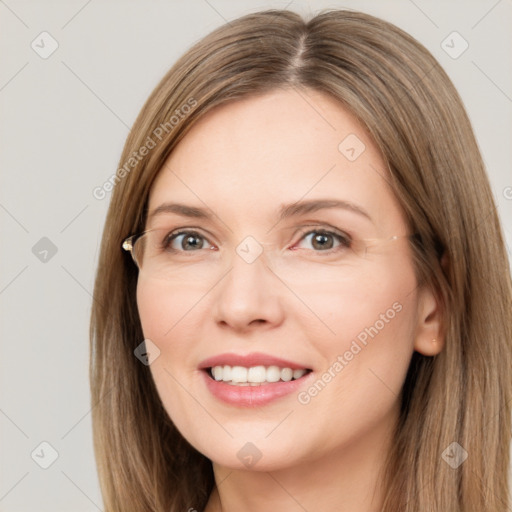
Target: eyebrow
x: 285, y: 211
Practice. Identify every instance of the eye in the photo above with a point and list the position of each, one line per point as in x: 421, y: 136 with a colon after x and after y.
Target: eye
x: 187, y: 241
x: 323, y: 240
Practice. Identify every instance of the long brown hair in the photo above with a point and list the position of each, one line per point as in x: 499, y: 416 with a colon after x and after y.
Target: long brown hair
x: 393, y: 85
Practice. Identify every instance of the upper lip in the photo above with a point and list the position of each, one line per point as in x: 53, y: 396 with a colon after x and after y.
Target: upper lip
x: 249, y: 360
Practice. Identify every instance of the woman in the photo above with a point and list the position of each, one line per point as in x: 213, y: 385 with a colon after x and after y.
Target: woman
x: 317, y: 311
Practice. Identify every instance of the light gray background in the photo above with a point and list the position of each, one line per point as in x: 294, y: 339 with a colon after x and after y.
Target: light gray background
x: 64, y: 120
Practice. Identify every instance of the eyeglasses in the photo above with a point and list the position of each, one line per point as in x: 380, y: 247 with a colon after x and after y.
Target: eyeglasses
x: 164, y: 253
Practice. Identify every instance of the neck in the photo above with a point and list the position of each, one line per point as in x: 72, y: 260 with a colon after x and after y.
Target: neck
x: 347, y: 480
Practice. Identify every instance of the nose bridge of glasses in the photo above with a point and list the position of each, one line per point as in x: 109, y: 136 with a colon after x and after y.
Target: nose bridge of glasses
x: 256, y: 268
x: 251, y: 254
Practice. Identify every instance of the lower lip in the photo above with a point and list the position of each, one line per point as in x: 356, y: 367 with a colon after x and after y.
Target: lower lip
x: 252, y: 396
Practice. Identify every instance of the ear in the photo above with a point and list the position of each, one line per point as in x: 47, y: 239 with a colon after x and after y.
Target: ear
x: 429, y: 339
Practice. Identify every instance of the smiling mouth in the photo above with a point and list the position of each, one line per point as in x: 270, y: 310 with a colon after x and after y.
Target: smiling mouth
x: 254, y: 375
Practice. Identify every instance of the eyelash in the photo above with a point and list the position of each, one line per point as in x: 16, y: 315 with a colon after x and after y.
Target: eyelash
x: 344, y: 239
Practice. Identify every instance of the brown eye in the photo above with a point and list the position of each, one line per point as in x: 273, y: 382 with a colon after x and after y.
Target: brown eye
x: 323, y: 240
x: 187, y: 241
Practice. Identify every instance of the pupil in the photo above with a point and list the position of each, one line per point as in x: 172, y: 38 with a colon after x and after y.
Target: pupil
x: 321, y: 239
x: 192, y: 240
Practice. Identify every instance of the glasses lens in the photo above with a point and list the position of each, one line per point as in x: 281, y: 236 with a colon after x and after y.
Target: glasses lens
x: 138, y: 250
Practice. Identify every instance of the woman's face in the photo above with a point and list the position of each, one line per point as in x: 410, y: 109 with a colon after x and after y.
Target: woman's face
x: 263, y: 283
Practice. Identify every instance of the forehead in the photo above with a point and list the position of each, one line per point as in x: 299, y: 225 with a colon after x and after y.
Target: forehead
x: 251, y: 156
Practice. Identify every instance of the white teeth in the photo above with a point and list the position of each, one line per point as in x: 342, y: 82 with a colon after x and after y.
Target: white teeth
x: 255, y: 375
x: 238, y: 374
x: 226, y: 373
x: 297, y: 374
x: 273, y: 373
x: 217, y: 373
x: 286, y: 374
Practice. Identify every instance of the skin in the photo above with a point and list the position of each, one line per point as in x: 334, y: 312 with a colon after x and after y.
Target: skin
x: 243, y: 160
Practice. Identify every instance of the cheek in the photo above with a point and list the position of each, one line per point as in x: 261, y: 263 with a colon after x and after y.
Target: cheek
x: 152, y: 307
x: 167, y: 318
x: 348, y: 305
x: 369, y: 322
x: 365, y: 362
x: 165, y: 306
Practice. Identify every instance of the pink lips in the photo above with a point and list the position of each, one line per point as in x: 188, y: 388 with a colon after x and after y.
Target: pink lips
x: 251, y: 396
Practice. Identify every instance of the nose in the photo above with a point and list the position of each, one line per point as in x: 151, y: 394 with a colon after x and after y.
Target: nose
x: 249, y: 297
